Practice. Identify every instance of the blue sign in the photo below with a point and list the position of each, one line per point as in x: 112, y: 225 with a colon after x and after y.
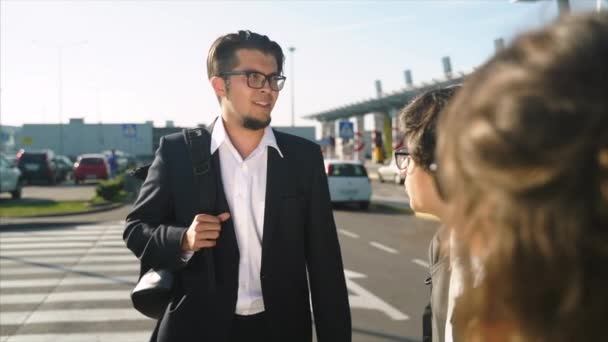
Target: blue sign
x: 346, y: 130
x: 129, y: 131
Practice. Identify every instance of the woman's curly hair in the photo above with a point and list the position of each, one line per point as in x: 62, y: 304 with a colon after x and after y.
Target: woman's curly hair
x: 524, y: 162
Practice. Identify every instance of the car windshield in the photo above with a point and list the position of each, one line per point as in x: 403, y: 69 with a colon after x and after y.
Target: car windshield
x: 33, y: 157
x: 347, y: 170
x: 91, y: 161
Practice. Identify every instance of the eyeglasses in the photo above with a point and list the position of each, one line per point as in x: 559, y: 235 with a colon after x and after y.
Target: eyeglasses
x: 402, y: 159
x: 257, y: 80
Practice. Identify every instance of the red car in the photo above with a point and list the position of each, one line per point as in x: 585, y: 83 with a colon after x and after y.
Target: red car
x: 91, y: 167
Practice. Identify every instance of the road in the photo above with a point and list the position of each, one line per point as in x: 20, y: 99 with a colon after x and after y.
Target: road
x: 71, y: 281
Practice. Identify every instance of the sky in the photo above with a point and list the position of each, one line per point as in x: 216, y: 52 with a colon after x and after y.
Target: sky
x: 135, y: 61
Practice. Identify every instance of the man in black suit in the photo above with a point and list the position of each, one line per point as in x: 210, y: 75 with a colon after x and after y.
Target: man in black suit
x: 243, y: 260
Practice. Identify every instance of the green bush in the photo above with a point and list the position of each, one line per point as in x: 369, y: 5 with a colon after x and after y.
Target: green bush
x: 110, y: 189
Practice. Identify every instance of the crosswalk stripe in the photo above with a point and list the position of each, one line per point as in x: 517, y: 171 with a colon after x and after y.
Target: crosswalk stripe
x: 42, y: 282
x: 88, y: 337
x: 56, y: 245
x: 59, y: 238
x: 48, y: 245
x: 54, y: 269
x: 71, y: 251
x: 67, y: 259
x: 69, y: 285
x: 74, y: 296
x: 60, y: 233
x: 58, y: 316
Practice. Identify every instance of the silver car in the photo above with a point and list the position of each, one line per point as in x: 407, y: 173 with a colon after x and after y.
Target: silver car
x: 390, y: 173
x: 10, y: 178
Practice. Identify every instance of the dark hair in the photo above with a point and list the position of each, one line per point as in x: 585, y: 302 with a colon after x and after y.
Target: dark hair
x: 418, y: 121
x: 222, y: 54
x: 524, y: 160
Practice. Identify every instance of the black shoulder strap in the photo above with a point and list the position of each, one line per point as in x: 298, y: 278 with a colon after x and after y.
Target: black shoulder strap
x: 198, y: 141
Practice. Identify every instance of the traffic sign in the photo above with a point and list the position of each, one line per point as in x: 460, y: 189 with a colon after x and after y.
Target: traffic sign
x: 346, y: 130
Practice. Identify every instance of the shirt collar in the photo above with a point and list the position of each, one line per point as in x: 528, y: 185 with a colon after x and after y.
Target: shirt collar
x: 219, y: 136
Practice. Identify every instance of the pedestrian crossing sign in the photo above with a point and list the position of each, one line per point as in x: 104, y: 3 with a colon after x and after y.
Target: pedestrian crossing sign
x: 346, y: 130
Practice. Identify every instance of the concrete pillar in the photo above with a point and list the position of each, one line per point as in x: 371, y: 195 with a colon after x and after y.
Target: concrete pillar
x: 359, y: 141
x: 379, y: 138
x: 447, y: 66
x: 409, y: 82
x: 397, y: 134
x: 330, y: 134
x: 387, y: 136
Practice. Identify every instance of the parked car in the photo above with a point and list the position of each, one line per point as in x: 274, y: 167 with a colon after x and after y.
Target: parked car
x: 348, y: 182
x: 391, y: 173
x: 91, y: 167
x: 38, y: 166
x: 65, y: 167
x: 10, y: 177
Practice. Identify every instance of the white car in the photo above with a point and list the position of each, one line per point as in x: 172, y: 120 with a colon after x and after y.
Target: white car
x: 390, y: 173
x: 10, y: 178
x: 348, y: 182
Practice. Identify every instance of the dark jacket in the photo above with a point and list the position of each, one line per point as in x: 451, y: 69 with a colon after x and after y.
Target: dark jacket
x: 299, y: 240
x: 439, y: 258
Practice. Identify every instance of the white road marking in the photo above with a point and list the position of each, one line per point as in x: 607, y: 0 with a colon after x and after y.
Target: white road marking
x: 76, y: 315
x: 69, y: 281
x: 62, y: 297
x: 77, y: 268
x: 70, y: 251
x: 87, y: 337
x: 363, y: 299
x: 383, y: 247
x: 348, y: 233
x: 421, y: 263
x: 47, y: 260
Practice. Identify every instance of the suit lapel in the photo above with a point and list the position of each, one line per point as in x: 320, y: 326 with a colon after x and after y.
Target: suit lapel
x: 276, y: 181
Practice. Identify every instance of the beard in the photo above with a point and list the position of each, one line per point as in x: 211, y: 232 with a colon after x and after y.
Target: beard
x: 254, y: 124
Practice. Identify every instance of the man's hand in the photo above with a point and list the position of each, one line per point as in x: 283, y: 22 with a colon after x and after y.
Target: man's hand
x: 203, y: 232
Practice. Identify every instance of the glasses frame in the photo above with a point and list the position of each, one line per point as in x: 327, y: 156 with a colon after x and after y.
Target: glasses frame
x: 402, y: 156
x: 267, y: 78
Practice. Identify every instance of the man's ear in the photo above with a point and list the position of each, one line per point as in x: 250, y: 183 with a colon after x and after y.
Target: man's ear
x: 219, y: 86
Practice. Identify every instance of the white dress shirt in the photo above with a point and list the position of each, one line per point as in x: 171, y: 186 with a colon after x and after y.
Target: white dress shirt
x: 245, y: 188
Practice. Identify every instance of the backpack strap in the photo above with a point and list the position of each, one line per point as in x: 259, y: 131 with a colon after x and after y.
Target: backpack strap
x: 198, y: 141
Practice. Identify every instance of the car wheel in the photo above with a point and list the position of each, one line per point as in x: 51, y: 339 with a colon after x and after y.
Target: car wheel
x: 17, y: 193
x: 380, y: 177
x: 364, y: 205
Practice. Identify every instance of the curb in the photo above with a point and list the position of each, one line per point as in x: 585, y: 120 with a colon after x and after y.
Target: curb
x: 73, y: 213
x: 408, y: 211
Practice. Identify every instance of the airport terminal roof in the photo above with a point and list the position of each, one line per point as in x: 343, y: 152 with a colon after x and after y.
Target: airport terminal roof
x: 395, y: 100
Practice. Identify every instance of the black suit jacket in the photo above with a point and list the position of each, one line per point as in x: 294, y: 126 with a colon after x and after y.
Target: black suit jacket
x: 299, y: 237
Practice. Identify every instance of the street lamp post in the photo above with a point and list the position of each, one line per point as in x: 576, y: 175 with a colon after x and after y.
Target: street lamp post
x: 60, y: 48
x: 293, y: 122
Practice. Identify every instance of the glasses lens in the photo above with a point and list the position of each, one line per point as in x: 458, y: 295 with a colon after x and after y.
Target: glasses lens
x: 402, y: 159
x: 277, y: 82
x: 256, y: 80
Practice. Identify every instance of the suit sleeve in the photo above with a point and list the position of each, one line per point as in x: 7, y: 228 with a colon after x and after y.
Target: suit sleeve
x: 325, y: 269
x: 148, y: 233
